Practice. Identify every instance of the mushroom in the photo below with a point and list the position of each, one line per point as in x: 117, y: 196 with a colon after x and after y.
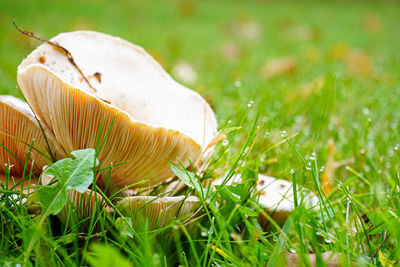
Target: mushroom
x: 121, y: 95
x: 276, y: 196
x: 19, y: 130
x: 157, y: 212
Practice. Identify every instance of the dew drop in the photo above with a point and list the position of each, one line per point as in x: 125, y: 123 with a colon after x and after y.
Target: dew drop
x: 250, y: 103
x: 238, y: 83
x: 283, y: 134
x: 308, y: 166
x: 225, y: 142
x: 365, y: 111
x: 396, y: 147
x: 292, y: 171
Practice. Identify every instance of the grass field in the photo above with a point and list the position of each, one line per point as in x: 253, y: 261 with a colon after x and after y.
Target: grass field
x: 327, y: 73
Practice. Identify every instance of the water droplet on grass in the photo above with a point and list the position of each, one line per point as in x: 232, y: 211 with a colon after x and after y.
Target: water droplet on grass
x: 283, y: 134
x: 308, y: 166
x: 365, y: 111
x: 238, y: 83
x: 225, y: 142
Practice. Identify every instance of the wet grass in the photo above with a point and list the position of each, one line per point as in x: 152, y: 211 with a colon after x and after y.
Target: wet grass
x: 313, y: 90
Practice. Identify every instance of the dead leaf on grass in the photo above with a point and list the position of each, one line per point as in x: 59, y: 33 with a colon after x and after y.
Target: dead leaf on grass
x: 245, y: 28
x: 373, y: 23
x: 278, y: 66
x: 359, y: 62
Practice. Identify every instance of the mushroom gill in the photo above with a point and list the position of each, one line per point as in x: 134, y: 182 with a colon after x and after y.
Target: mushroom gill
x: 145, y: 117
x: 19, y: 130
x: 157, y: 212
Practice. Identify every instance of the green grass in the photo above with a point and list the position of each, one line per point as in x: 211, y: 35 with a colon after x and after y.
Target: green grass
x: 322, y: 99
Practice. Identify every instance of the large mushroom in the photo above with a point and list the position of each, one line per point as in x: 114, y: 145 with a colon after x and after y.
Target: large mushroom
x: 116, y: 92
x: 21, y: 136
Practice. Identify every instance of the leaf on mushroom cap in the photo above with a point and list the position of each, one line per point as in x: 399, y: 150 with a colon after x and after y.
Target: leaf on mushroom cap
x: 158, y: 211
x: 156, y: 118
x: 18, y: 129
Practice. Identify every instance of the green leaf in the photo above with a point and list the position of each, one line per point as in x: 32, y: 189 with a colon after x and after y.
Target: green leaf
x: 72, y: 173
x: 106, y: 256
x: 247, y: 211
x: 76, y: 173
x: 381, y: 220
x: 53, y: 198
x: 189, y: 178
x: 124, y: 226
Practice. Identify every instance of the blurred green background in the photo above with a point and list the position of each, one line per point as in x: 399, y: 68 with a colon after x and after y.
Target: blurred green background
x: 326, y: 69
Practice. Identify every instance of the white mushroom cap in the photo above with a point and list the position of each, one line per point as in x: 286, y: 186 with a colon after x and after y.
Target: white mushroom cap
x: 157, y: 211
x: 18, y: 129
x: 276, y: 195
x: 156, y: 118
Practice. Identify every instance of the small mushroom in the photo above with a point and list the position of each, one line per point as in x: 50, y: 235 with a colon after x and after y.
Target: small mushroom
x: 19, y: 129
x: 276, y: 196
x: 157, y: 212
x: 145, y: 117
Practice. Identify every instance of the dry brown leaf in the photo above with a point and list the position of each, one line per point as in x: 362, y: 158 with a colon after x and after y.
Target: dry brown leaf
x: 303, y: 33
x: 231, y: 51
x: 187, y: 8
x: 306, y: 90
x: 278, y: 66
x: 358, y: 62
x: 328, y: 182
x: 373, y: 23
x: 339, y: 51
x: 245, y: 28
